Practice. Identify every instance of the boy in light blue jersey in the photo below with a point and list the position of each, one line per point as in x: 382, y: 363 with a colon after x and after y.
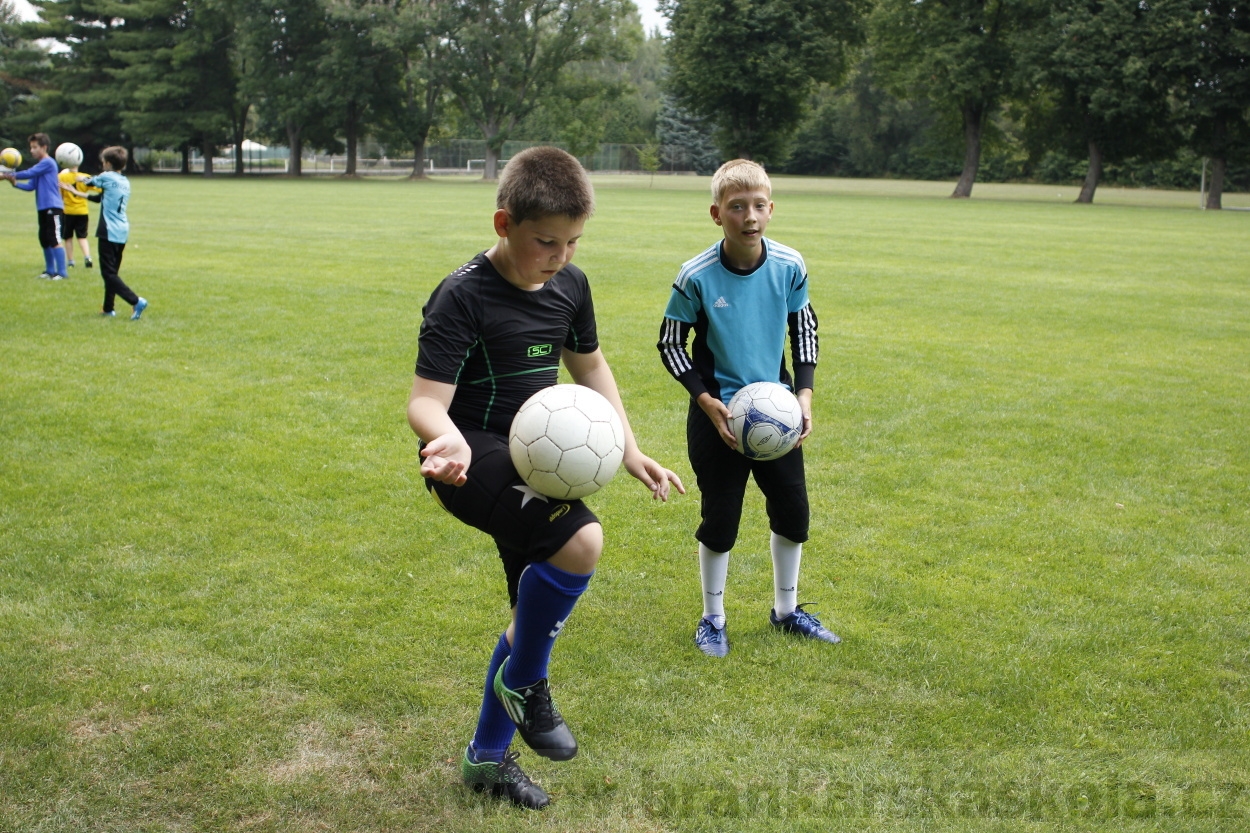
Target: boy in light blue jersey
x: 742, y: 296
x: 114, y: 230
x: 42, y: 178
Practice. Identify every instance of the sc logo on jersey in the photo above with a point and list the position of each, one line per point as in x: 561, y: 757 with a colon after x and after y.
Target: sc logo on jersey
x: 536, y: 350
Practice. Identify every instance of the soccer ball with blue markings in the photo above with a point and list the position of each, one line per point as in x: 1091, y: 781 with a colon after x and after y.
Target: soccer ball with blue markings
x: 567, y: 441
x: 767, y: 420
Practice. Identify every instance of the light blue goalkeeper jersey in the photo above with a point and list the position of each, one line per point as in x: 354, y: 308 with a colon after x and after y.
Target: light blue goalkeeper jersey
x: 113, y: 222
x: 742, y: 320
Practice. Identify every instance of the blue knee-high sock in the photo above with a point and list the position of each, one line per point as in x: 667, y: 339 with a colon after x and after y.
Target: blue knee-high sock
x: 49, y: 262
x: 494, y: 728
x: 545, y: 598
x: 58, y: 257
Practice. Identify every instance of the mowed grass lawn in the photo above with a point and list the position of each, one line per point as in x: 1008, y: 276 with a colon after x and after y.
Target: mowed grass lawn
x: 227, y: 603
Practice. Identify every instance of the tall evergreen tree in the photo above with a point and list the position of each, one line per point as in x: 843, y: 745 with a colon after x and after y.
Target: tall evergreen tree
x: 749, y: 66
x: 179, y: 81
x: 24, y: 66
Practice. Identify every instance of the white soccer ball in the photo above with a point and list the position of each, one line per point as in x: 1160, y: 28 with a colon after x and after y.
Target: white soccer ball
x: 10, y: 158
x: 567, y: 441
x: 68, y: 155
x: 766, y: 419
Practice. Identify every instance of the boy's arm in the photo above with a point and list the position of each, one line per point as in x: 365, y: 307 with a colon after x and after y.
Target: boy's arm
x: 804, y: 351
x: 592, y: 370
x: 446, y: 454
x: 672, y: 347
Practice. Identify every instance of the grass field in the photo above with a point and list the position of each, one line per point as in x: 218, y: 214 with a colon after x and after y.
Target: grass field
x: 227, y: 604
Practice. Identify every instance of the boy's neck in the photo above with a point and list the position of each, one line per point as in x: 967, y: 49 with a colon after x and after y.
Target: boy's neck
x: 743, y: 261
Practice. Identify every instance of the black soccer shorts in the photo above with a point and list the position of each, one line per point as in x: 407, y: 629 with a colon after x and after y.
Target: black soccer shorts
x: 721, y: 474
x: 49, y: 228
x: 73, y: 225
x: 526, y: 526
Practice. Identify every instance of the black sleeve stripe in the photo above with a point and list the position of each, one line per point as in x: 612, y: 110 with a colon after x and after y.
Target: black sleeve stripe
x: 672, y: 346
x: 804, y: 343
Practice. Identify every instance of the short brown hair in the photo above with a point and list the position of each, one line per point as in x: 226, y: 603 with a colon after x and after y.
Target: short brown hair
x: 40, y: 139
x: 116, y: 157
x: 739, y: 175
x: 545, y: 181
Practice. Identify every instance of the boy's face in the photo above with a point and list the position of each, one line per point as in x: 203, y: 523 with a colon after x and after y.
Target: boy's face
x: 530, y: 253
x: 38, y: 151
x: 743, y: 215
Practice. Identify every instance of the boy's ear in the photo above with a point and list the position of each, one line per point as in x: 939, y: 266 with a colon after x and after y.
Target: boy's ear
x: 715, y: 211
x: 503, y: 222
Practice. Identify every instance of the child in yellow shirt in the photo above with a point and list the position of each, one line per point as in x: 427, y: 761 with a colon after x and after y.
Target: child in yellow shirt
x: 74, y: 221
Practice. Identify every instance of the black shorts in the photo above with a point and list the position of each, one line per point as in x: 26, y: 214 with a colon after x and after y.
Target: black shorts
x: 722, y: 473
x: 49, y: 228
x: 526, y: 526
x: 73, y: 225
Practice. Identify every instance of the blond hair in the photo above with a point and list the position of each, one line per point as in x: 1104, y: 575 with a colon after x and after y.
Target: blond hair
x: 739, y: 175
x: 542, y: 182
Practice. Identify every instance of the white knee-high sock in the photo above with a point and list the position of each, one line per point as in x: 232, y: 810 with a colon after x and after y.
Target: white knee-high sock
x: 713, y: 569
x: 786, y: 557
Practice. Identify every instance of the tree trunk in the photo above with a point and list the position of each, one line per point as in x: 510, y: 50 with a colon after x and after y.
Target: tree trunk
x: 186, y: 159
x: 240, y: 126
x: 974, y: 116
x: 418, y: 159
x: 1215, y: 194
x: 352, y: 126
x: 295, y: 143
x: 208, y: 149
x: 490, y: 172
x: 1092, y: 175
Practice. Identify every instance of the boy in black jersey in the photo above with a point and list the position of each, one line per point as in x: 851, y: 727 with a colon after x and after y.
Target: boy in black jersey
x: 494, y: 332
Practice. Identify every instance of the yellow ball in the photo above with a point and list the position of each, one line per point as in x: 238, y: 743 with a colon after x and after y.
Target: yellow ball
x: 10, y: 157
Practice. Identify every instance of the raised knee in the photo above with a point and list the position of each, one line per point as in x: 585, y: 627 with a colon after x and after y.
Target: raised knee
x: 580, y: 553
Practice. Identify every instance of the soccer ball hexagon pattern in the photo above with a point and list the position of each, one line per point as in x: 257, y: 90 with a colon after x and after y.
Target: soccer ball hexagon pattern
x: 567, y: 441
x: 766, y: 419
x: 68, y: 155
x: 10, y: 158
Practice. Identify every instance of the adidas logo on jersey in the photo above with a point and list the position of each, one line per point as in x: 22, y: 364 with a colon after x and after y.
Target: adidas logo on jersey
x: 721, y: 303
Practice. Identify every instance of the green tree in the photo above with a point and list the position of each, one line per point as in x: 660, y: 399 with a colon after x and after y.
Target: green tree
x: 957, y: 54
x: 749, y: 66
x: 1215, y: 66
x: 1099, y: 85
x: 179, y: 83
x: 415, y: 35
x: 356, y: 69
x: 285, y: 42
x: 507, y: 56
x: 685, y: 139
x: 82, y: 100
x: 23, y: 67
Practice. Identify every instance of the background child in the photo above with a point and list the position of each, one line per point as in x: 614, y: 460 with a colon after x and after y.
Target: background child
x: 41, y: 178
x: 74, y: 220
x: 741, y: 296
x: 113, y: 230
x: 493, y: 334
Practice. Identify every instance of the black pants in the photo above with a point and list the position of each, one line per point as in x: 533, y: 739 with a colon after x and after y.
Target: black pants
x: 110, y: 264
x: 722, y: 475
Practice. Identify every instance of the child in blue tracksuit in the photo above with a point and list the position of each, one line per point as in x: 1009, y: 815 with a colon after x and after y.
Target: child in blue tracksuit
x: 42, y: 178
x: 114, y: 229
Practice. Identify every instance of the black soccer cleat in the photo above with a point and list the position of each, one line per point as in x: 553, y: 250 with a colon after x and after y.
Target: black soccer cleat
x: 537, y: 719
x: 504, y: 779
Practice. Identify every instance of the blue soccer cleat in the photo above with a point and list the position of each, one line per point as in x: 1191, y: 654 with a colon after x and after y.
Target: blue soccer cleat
x: 140, y: 306
x: 804, y: 624
x: 710, y: 639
